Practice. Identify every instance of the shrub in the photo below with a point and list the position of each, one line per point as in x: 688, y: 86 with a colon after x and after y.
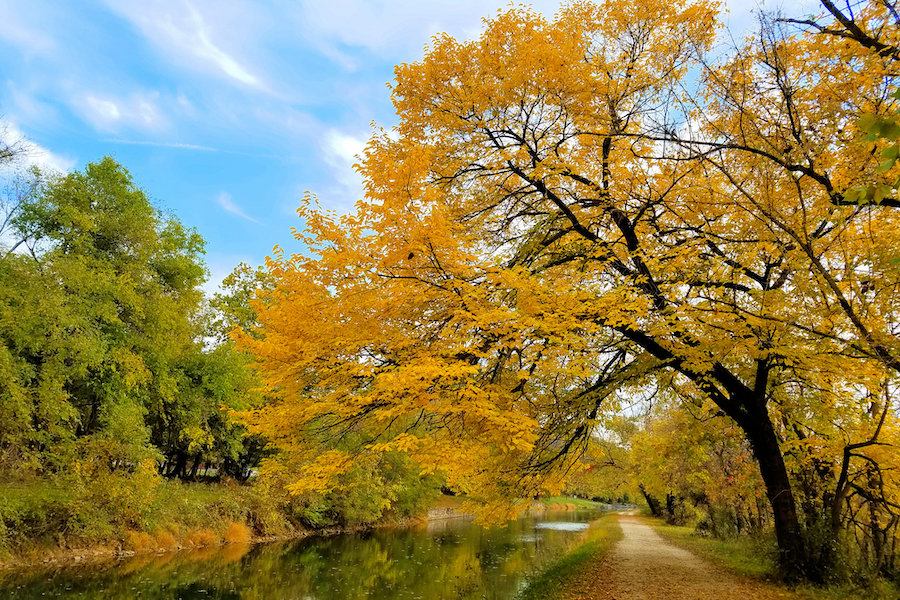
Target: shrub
x: 201, y: 538
x: 237, y: 533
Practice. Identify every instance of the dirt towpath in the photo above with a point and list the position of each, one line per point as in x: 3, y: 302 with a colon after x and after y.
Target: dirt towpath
x: 644, y: 566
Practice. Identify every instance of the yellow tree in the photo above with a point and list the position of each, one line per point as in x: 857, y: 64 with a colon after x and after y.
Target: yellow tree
x: 778, y: 140
x: 696, y: 459
x: 534, y: 243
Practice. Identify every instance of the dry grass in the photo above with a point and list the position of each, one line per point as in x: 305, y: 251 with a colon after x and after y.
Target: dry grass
x: 138, y: 541
x: 200, y: 538
x: 237, y: 533
x: 166, y: 541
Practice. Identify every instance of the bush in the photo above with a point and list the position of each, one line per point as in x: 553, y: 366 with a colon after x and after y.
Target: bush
x: 139, y: 510
x: 237, y: 533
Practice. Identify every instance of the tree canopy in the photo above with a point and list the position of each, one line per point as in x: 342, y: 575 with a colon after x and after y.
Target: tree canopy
x: 572, y: 211
x: 102, y: 325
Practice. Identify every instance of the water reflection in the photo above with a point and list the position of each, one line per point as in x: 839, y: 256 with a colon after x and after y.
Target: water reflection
x: 453, y: 559
x: 562, y: 526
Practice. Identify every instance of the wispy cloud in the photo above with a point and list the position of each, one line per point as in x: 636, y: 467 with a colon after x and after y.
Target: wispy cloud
x: 339, y: 29
x: 181, y: 30
x: 30, y: 153
x: 163, y: 145
x: 32, y: 40
x: 111, y: 113
x: 104, y: 110
x: 340, y: 152
x: 201, y: 148
x: 225, y: 201
x: 342, y: 149
x: 205, y: 48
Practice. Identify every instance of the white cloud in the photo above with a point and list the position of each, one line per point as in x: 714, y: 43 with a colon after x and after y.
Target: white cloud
x: 186, y: 104
x: 399, y: 28
x: 177, y: 145
x: 225, y: 201
x: 340, y: 152
x: 30, y: 153
x: 342, y: 149
x: 205, y: 48
x: 105, y: 110
x: 27, y: 107
x: 108, y: 113
x: 183, y: 31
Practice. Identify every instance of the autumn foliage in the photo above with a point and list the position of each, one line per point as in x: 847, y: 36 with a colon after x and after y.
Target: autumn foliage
x: 571, y: 212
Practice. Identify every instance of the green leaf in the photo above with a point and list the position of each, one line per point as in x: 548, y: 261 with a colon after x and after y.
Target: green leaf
x: 854, y: 196
x: 866, y: 122
x: 890, y: 129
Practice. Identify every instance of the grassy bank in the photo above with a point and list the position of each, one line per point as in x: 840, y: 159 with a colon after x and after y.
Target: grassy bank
x: 755, y: 557
x: 73, y: 518
x: 41, y: 519
x: 598, y: 540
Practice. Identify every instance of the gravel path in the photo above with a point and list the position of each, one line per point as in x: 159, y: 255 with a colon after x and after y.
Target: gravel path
x: 644, y: 566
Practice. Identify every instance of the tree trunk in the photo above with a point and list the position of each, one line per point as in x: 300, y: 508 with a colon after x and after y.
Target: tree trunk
x: 195, y: 466
x: 670, y: 506
x: 653, y: 503
x: 791, y: 548
x: 761, y: 514
x: 178, y: 467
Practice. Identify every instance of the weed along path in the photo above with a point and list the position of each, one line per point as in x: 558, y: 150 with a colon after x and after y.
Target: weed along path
x: 644, y: 566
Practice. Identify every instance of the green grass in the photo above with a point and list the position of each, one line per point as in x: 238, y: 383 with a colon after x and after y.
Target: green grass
x: 755, y: 557
x: 880, y: 590
x: 598, y: 541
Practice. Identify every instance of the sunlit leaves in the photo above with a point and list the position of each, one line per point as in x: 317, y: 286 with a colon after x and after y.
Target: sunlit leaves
x: 573, y: 211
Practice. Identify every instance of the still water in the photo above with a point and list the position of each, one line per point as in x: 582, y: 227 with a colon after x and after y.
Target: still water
x: 452, y: 559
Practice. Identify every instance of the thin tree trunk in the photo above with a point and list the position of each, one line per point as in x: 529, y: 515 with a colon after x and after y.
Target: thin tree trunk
x: 670, y: 505
x: 195, y: 466
x: 653, y: 503
x: 178, y: 467
x: 761, y: 515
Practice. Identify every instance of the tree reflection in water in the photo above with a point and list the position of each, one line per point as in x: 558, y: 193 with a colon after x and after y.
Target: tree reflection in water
x: 453, y: 559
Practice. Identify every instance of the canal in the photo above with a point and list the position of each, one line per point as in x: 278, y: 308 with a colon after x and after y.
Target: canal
x: 451, y: 559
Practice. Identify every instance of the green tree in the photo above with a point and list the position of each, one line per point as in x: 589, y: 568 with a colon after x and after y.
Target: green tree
x: 97, y: 317
x: 102, y: 335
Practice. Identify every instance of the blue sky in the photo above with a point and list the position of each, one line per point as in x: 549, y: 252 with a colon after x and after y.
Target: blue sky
x: 224, y: 111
